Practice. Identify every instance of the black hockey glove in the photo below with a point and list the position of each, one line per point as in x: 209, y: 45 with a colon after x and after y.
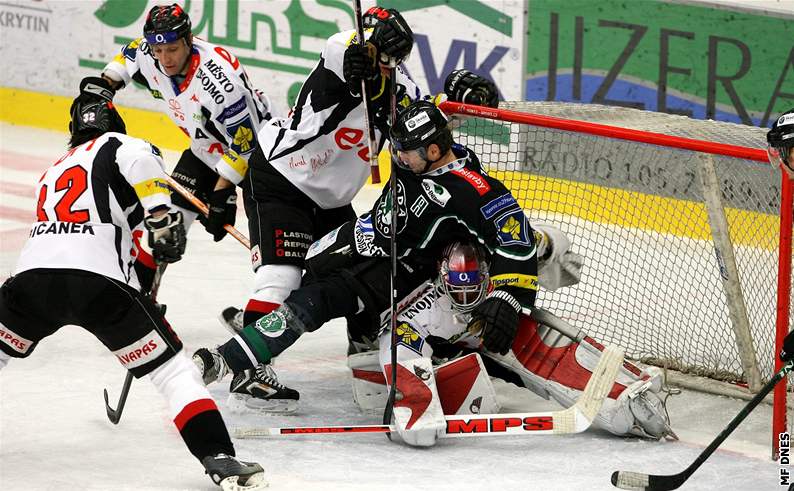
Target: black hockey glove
x: 470, y: 88
x: 222, y: 210
x: 392, y: 35
x: 95, y: 89
x: 787, y: 353
x: 359, y: 64
x: 496, y: 318
x: 166, y: 236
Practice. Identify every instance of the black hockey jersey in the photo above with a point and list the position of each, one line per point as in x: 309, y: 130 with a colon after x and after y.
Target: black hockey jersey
x: 91, y: 205
x: 456, y: 202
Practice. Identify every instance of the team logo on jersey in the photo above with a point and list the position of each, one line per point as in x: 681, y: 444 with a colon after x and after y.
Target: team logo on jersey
x: 437, y: 193
x: 272, y: 325
x: 384, y: 212
x: 156, y: 94
x: 419, y: 206
x: 512, y: 228
x: 408, y: 337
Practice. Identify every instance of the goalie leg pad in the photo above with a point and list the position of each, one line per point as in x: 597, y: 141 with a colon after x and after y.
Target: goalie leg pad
x: 553, y: 364
x: 417, y: 408
x: 369, y: 385
x: 465, y: 388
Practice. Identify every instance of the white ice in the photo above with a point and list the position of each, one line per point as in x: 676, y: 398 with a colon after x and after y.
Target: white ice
x: 54, y: 433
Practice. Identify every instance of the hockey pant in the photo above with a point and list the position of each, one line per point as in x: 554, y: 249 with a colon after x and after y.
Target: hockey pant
x: 36, y: 303
x: 553, y: 360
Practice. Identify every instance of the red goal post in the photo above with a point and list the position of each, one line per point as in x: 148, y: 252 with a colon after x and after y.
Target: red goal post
x: 707, y: 222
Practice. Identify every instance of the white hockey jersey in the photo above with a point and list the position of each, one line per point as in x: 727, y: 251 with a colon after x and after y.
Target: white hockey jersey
x: 427, y: 311
x: 216, y: 105
x: 322, y: 147
x: 91, y: 205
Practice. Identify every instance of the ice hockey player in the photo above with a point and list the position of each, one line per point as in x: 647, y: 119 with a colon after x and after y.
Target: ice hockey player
x: 547, y: 355
x: 94, y: 203
x: 310, y: 166
x: 205, y: 91
x: 781, y: 143
x: 443, y: 195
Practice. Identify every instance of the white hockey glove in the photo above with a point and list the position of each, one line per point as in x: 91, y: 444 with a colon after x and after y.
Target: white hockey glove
x: 558, y: 266
x: 167, y: 236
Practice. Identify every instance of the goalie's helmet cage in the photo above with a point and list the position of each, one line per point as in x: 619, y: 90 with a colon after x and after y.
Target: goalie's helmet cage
x: 166, y: 24
x: 781, y: 140
x: 463, y: 275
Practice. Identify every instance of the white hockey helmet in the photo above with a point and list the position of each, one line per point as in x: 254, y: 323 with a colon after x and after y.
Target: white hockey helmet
x: 463, y: 275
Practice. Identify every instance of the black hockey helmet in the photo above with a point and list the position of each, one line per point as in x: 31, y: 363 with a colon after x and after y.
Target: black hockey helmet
x: 391, y: 35
x: 94, y: 115
x: 418, y: 125
x: 166, y: 24
x: 781, y: 139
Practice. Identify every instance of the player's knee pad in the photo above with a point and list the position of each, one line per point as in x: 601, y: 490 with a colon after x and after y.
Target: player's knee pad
x: 272, y: 284
x: 179, y: 381
x: 417, y: 409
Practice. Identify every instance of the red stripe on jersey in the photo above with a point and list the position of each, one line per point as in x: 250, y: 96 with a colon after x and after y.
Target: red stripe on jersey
x: 192, y: 410
x: 475, y: 179
x: 194, y: 63
x: 261, y: 307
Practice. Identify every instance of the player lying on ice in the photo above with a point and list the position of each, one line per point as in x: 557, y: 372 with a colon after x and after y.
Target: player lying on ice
x: 79, y: 267
x: 442, y: 361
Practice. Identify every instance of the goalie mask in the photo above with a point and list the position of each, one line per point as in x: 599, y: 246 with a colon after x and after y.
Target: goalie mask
x: 416, y: 127
x: 463, y: 275
x: 781, y: 141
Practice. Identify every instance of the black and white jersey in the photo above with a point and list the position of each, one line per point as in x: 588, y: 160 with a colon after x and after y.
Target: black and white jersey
x: 216, y: 105
x: 91, y: 205
x: 322, y: 147
x: 456, y: 202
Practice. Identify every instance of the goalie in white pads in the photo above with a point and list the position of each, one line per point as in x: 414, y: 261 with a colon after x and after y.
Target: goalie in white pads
x: 436, y: 336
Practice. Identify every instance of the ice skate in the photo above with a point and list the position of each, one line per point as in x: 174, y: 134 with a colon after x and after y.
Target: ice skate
x: 211, y: 365
x: 232, y: 319
x: 234, y: 475
x: 258, y: 389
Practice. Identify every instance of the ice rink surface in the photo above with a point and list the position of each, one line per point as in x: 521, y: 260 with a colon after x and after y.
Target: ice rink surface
x: 54, y: 434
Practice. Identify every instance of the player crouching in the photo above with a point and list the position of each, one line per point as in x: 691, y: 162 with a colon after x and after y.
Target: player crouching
x: 79, y: 268
x: 442, y: 355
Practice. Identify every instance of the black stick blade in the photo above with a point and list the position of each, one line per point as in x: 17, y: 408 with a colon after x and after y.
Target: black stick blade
x: 113, y: 416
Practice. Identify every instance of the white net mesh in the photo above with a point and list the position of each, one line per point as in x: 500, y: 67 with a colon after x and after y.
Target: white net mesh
x: 651, y: 281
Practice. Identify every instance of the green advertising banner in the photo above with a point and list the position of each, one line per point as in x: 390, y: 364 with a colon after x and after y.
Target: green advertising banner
x: 703, y: 62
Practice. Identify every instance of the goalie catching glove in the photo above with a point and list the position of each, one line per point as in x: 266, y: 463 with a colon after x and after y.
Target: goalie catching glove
x: 470, y: 88
x: 496, y: 319
x: 166, y: 236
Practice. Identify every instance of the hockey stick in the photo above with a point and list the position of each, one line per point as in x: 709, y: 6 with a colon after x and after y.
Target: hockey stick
x: 575, y: 419
x: 649, y: 482
x: 373, y: 145
x: 388, y: 411
x: 205, y: 211
x: 114, y: 415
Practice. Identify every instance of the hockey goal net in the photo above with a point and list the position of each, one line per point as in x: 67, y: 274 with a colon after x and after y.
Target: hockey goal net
x: 679, y: 221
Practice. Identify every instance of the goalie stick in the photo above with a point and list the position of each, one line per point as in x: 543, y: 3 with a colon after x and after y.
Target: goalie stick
x: 654, y: 482
x: 574, y: 419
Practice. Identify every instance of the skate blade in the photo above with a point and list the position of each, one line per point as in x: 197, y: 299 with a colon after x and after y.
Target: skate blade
x: 254, y: 483
x: 243, y: 403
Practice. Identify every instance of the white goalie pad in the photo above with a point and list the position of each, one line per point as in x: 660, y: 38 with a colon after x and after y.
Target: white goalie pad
x: 556, y: 365
x: 417, y: 409
x: 462, y: 384
x: 558, y: 266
